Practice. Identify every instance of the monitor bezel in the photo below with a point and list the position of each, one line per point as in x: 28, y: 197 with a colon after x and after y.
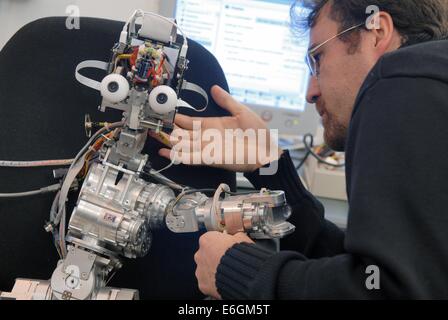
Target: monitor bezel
x: 308, y: 119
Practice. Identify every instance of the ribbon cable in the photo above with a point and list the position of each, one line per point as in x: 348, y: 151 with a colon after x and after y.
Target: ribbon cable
x: 195, y: 88
x: 95, y: 64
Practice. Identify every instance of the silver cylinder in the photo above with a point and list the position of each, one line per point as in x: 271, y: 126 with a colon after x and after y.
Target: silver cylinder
x: 116, y: 210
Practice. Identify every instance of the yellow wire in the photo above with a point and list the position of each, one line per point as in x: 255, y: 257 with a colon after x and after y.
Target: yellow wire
x: 124, y: 56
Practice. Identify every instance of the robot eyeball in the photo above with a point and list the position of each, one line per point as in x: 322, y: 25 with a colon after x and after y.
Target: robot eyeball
x: 114, y: 88
x: 163, y: 99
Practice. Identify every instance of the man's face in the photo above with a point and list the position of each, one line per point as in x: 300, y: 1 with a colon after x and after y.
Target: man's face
x: 341, y: 75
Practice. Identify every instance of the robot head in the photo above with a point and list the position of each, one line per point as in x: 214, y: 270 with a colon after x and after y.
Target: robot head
x: 146, y: 73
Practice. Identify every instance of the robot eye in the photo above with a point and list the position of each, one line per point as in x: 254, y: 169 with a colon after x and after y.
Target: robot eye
x: 162, y: 98
x: 113, y: 87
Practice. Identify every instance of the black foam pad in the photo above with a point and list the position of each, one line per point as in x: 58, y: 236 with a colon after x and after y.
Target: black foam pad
x: 42, y: 113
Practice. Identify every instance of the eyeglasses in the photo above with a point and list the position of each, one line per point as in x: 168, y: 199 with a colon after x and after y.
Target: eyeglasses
x: 313, y: 59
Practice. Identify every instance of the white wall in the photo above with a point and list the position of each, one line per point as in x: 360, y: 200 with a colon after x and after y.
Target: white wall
x: 16, y: 13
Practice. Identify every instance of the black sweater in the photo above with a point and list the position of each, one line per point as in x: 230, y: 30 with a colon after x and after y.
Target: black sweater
x: 397, y: 184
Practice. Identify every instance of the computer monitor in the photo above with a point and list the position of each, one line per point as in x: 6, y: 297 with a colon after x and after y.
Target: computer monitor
x: 263, y: 61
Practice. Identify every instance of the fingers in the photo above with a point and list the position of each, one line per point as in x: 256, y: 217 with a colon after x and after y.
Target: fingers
x: 207, y: 260
x: 177, y: 135
x: 182, y: 144
x: 226, y: 101
x: 186, y: 122
x: 162, y: 137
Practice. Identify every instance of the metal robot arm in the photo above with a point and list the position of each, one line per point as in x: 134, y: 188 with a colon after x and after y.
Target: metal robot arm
x: 262, y: 215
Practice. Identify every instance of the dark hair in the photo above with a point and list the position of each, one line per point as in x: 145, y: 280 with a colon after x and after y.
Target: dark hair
x: 416, y: 20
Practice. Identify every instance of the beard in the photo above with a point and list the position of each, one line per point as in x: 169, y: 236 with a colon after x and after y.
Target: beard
x: 336, y: 119
x: 335, y: 134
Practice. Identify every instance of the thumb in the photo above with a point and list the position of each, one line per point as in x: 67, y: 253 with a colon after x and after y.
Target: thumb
x: 226, y: 101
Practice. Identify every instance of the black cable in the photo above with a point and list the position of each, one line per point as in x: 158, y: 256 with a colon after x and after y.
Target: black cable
x: 228, y: 192
x: 310, y: 152
x: 307, y: 155
x: 190, y: 191
x: 163, y: 180
x: 242, y: 193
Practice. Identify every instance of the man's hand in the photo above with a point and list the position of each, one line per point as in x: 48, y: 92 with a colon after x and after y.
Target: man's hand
x: 229, y: 156
x: 212, y: 247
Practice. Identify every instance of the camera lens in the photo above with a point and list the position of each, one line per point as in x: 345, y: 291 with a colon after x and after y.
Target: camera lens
x: 162, y: 98
x: 113, y: 87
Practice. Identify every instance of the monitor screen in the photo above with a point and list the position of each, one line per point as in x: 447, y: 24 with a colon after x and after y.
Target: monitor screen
x: 263, y: 61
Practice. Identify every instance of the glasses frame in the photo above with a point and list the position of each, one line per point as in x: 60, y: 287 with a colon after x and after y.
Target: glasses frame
x: 310, y: 57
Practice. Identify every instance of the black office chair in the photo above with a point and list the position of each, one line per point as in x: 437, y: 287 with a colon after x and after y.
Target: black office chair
x: 42, y: 112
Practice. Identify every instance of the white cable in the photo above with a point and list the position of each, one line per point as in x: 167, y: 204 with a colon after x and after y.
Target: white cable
x: 165, y: 168
x: 215, y: 206
x: 60, y: 217
x: 125, y: 27
x: 36, y: 163
x: 49, y: 189
x: 62, y: 235
x: 76, y: 165
x: 73, y: 171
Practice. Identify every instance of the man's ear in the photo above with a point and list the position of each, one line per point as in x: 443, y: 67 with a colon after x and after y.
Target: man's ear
x: 385, y: 37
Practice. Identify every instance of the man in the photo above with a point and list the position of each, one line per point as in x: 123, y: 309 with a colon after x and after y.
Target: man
x: 382, y: 91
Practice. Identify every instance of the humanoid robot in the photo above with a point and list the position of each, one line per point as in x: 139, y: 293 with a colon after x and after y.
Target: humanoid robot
x: 122, y: 197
